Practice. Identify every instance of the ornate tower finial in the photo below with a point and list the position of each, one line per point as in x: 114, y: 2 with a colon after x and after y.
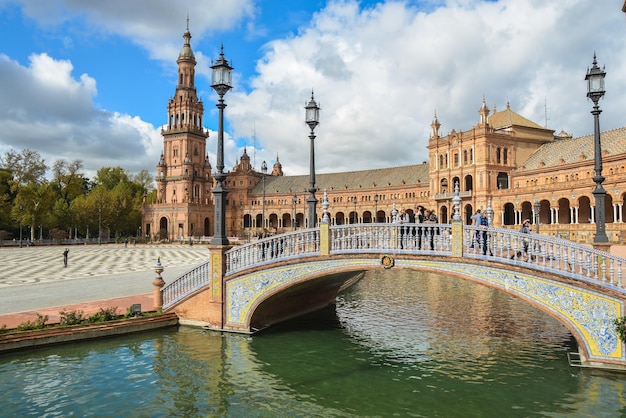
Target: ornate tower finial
x: 483, y: 112
x: 435, y: 126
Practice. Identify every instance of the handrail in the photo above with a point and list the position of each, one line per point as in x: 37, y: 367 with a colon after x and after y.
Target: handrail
x: 546, y: 254
x: 533, y: 251
x: 293, y: 244
x: 394, y: 238
x: 186, y: 284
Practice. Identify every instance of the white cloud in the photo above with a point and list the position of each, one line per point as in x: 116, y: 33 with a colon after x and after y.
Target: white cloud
x: 381, y: 73
x: 52, y: 112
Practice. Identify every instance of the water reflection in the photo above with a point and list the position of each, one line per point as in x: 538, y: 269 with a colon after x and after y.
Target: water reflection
x: 403, y: 344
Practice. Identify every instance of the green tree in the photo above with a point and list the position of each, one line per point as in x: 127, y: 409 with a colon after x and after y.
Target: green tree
x: 26, y: 167
x: 145, y: 180
x: 33, y: 205
x: 109, y: 177
x: 6, y: 199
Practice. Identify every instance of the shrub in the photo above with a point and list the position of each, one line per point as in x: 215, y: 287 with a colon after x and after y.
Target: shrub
x: 103, y: 315
x: 71, y: 318
x: 620, y: 328
x: 40, y: 323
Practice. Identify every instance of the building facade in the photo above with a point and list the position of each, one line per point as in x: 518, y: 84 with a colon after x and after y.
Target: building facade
x: 505, y: 162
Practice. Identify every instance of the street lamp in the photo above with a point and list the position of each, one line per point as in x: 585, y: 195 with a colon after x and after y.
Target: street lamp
x: 595, y: 90
x: 264, y: 171
x: 312, y: 119
x: 99, y: 225
x: 21, y: 209
x: 376, y: 208
x: 222, y: 82
x: 354, y: 201
x: 537, y: 209
x: 294, y: 200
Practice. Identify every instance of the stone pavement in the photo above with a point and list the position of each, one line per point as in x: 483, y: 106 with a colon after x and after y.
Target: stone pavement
x: 33, y: 279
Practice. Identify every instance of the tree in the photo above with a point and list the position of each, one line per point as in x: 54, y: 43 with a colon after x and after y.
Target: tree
x: 145, y: 180
x: 26, y: 168
x: 33, y: 206
x: 109, y: 177
x: 67, y: 180
x: 6, y: 198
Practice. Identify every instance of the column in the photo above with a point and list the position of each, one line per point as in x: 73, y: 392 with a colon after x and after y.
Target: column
x: 556, y: 216
x: 593, y: 214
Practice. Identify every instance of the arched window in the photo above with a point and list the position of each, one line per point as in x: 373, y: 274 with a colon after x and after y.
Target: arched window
x: 506, y: 156
x: 498, y: 158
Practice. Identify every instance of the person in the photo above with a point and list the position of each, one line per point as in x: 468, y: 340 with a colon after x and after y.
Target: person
x: 476, y: 219
x: 419, y: 218
x: 431, y: 218
x: 484, y: 238
x: 525, y: 229
x: 403, y: 218
x: 65, y: 253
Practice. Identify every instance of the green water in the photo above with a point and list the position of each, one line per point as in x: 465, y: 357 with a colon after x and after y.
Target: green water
x: 398, y: 344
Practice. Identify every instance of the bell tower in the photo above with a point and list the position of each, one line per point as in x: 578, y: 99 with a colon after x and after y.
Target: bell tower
x: 184, y: 207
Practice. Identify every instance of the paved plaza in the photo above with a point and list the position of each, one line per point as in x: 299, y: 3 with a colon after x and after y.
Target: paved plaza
x: 34, y: 278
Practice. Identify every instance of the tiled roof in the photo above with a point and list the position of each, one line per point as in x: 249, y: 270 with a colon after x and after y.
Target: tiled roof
x: 567, y: 151
x: 507, y: 117
x: 381, y: 178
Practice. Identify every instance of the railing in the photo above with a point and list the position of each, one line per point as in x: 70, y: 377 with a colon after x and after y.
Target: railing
x: 396, y: 238
x: 546, y: 254
x: 534, y: 251
x: 275, y: 248
x: 186, y: 284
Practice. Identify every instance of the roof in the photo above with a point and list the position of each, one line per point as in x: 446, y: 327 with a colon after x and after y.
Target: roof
x: 571, y: 150
x: 382, y: 178
x: 506, y: 118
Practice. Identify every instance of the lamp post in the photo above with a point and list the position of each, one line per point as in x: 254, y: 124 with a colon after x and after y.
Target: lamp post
x: 537, y: 209
x: 21, y: 209
x: 595, y: 90
x: 375, y: 208
x: 264, y: 171
x: 99, y: 225
x: 222, y: 82
x: 312, y: 119
x: 294, y: 201
x: 354, y: 201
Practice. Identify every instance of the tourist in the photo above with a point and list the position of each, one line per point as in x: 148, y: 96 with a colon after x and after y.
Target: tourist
x: 476, y: 220
x: 484, y: 224
x: 525, y: 229
x: 65, y: 253
x: 431, y: 218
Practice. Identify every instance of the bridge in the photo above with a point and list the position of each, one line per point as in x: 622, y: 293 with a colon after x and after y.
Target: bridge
x: 249, y: 287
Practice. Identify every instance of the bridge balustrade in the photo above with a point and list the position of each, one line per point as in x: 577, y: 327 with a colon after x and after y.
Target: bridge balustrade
x: 547, y: 254
x: 534, y: 251
x: 397, y: 238
x: 278, y: 247
x: 186, y: 284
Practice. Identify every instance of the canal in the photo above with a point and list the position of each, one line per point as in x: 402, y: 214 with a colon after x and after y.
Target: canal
x: 398, y: 343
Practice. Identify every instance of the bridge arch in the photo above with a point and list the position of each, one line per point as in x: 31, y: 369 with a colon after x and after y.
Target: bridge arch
x: 261, y: 298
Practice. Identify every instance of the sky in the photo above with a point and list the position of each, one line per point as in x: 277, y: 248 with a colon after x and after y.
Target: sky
x: 90, y: 80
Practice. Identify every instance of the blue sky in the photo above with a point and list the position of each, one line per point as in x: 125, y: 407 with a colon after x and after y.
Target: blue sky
x: 90, y: 80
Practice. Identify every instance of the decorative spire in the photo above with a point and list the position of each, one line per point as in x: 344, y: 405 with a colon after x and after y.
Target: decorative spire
x: 435, y: 126
x: 483, y: 112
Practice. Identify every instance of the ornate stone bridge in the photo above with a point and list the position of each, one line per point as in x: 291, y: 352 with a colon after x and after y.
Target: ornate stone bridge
x: 252, y: 286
